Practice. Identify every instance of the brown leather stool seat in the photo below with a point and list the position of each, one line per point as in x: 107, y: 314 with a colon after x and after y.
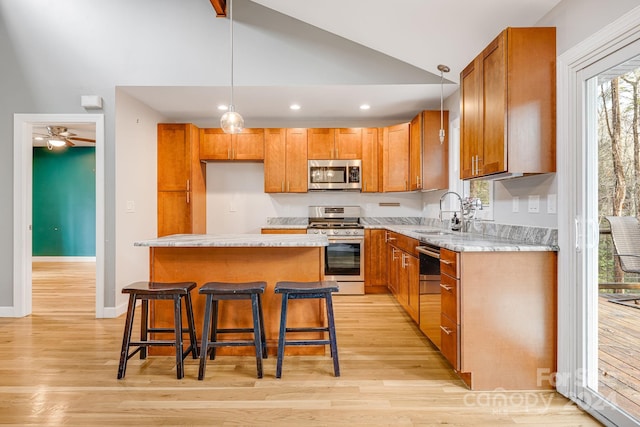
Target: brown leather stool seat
x: 305, y: 290
x: 146, y: 291
x: 218, y: 291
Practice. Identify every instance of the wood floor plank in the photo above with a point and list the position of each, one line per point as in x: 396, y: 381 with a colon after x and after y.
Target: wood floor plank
x: 59, y: 366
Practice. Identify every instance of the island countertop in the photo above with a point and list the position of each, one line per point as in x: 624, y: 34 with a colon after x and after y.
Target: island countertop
x: 235, y: 240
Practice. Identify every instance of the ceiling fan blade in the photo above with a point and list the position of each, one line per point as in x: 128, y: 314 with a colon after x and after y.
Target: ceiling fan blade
x: 69, y: 143
x: 77, y: 138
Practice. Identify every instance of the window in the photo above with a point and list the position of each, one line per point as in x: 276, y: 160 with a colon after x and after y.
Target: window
x: 482, y: 190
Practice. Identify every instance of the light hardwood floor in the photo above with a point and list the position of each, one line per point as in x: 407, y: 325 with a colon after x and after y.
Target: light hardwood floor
x: 59, y: 365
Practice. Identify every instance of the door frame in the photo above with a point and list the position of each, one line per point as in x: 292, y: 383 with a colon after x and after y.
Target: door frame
x: 576, y: 230
x: 23, y: 199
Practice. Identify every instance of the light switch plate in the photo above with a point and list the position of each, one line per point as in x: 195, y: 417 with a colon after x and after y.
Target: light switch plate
x: 515, y: 204
x: 131, y: 206
x: 534, y: 204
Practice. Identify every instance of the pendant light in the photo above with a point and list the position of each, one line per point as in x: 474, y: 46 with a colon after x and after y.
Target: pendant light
x: 231, y: 121
x: 443, y: 69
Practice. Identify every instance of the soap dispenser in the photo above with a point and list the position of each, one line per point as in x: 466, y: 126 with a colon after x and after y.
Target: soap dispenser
x: 455, y: 222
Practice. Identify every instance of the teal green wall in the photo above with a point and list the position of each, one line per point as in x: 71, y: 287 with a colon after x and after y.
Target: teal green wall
x: 64, y: 201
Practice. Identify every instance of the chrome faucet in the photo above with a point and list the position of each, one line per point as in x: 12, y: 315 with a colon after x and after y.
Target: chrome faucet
x: 457, y: 222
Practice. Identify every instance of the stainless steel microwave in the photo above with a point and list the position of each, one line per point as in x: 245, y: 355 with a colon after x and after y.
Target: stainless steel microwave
x: 335, y: 175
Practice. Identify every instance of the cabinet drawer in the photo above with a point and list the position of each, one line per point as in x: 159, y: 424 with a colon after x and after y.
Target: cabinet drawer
x: 449, y: 295
x: 449, y: 340
x: 403, y: 242
x: 449, y: 263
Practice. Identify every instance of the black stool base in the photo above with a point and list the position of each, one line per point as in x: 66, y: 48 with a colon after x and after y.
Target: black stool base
x: 307, y: 290
x: 219, y: 291
x: 146, y: 291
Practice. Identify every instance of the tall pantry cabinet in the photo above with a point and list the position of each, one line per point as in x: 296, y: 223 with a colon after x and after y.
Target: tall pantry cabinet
x: 181, y: 180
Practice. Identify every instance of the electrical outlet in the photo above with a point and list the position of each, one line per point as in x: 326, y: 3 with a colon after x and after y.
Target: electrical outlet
x: 534, y: 204
x: 131, y: 206
x: 515, y: 204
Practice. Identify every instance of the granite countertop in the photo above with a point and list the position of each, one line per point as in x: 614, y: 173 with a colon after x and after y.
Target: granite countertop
x: 466, y: 242
x: 235, y: 240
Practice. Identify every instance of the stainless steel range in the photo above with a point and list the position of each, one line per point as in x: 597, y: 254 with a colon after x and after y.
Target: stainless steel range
x: 344, y: 257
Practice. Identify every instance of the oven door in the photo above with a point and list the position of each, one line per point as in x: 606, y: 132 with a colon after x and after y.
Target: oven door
x: 344, y: 259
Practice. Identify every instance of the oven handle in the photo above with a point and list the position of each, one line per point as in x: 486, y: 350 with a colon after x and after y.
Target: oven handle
x: 428, y: 251
x: 335, y: 239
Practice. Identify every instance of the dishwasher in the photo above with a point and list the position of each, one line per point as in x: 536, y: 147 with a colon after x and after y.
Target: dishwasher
x: 430, y: 306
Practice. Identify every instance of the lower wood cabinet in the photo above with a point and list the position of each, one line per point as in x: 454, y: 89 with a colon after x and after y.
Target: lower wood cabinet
x: 375, y: 265
x: 499, y: 317
x: 404, y: 272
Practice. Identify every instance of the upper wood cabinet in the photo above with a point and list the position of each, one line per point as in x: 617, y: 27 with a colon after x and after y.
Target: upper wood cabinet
x: 285, y: 161
x: 371, y: 160
x: 415, y: 153
x: 395, y: 158
x: 217, y: 145
x: 508, y: 97
x: 435, y: 154
x: 328, y: 143
x: 181, y: 180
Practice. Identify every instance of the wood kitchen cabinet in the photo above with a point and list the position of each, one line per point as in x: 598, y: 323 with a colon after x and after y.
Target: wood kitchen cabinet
x: 371, y: 160
x: 404, y: 272
x: 375, y: 268
x: 499, y: 324
x: 181, y: 180
x: 328, y: 143
x: 435, y: 154
x: 395, y: 158
x: 215, y: 144
x: 428, y: 158
x: 507, y: 106
x: 285, y: 161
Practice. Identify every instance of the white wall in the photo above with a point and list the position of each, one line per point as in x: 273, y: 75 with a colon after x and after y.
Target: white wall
x: 136, y: 182
x: 236, y: 202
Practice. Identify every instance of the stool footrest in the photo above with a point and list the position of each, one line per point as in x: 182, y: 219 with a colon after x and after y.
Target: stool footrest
x: 171, y: 330
x: 149, y: 343
x: 230, y: 343
x: 307, y: 342
x: 309, y: 329
x: 232, y: 330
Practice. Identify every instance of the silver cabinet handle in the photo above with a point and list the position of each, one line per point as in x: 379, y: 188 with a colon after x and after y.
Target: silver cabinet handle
x: 446, y: 287
x: 446, y: 330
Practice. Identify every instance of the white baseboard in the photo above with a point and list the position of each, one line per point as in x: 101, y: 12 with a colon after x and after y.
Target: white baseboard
x: 63, y: 259
x: 7, y: 312
x: 113, y: 312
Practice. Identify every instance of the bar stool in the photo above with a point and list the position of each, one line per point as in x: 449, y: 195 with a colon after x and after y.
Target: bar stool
x: 146, y: 291
x: 306, y: 290
x: 218, y: 291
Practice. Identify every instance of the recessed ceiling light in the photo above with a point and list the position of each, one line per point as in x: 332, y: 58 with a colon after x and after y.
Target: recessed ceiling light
x: 223, y: 107
x: 38, y: 138
x: 294, y: 106
x: 365, y: 106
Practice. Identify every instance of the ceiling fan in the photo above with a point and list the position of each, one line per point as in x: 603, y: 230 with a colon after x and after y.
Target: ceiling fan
x: 59, y: 136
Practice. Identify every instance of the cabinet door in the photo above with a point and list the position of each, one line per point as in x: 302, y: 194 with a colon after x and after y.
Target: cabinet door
x: 395, y: 158
x: 275, y: 160
x: 412, y: 271
x: 494, y: 92
x: 435, y: 154
x: 174, y: 156
x: 375, y: 269
x: 470, y: 119
x: 215, y: 144
x: 321, y: 144
x: 348, y: 145
x: 248, y: 145
x: 370, y: 160
x: 449, y: 340
x: 296, y: 165
x: 393, y: 271
x: 174, y: 213
x: 415, y: 153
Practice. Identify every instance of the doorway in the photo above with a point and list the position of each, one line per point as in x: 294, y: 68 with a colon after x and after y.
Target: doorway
x: 24, y: 125
x: 588, y: 359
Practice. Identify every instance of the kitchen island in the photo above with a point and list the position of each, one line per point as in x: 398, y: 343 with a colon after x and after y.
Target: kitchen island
x: 203, y: 258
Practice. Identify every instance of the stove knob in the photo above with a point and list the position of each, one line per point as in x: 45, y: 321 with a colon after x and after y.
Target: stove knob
x: 347, y: 232
x: 315, y: 231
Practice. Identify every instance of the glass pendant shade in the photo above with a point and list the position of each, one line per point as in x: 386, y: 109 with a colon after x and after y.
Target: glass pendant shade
x: 231, y: 121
